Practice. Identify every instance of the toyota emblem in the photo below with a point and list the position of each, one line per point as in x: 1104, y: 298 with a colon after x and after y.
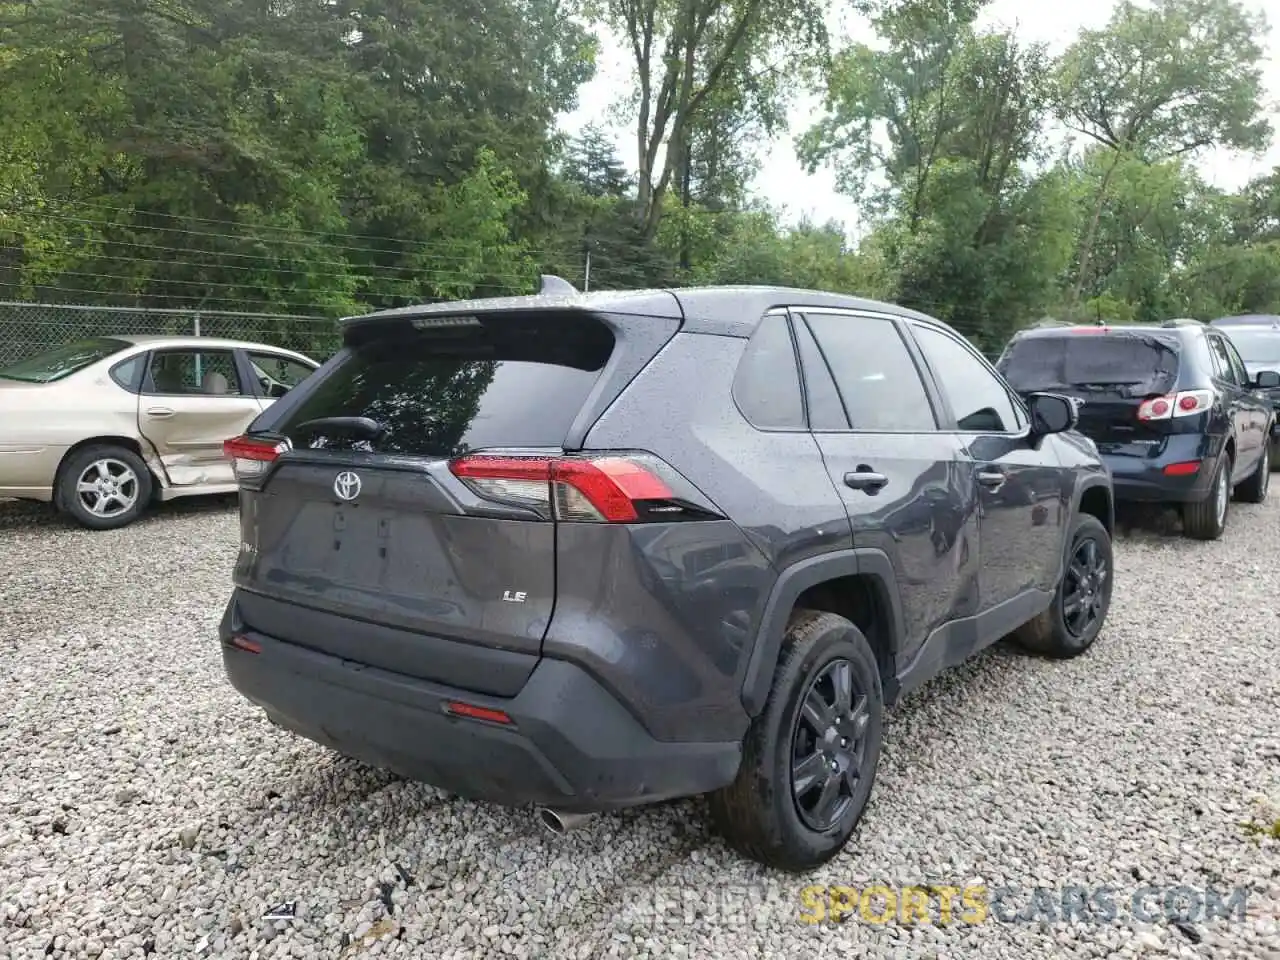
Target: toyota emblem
x: 347, y: 485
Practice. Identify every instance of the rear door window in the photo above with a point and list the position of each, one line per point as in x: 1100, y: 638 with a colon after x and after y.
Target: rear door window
x: 193, y: 373
x: 506, y: 382
x: 877, y: 379
x: 1130, y: 364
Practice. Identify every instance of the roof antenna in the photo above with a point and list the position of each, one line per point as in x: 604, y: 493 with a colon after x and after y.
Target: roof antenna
x: 556, y: 286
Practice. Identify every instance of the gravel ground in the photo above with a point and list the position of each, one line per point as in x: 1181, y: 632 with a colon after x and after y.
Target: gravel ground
x: 145, y: 809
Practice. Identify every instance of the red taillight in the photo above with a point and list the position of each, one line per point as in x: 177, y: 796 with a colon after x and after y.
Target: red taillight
x: 1182, y: 469
x: 250, y: 456
x: 1157, y: 409
x: 1183, y: 404
x: 597, y: 489
x: 471, y: 711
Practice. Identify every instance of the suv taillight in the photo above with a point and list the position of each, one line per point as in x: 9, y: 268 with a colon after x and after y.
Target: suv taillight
x: 623, y: 488
x: 1185, y: 404
x: 250, y: 456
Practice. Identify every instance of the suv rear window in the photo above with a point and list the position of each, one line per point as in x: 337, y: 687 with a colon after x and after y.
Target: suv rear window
x: 509, y: 381
x: 1136, y: 364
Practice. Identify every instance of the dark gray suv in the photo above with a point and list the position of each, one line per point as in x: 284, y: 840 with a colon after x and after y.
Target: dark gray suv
x: 593, y: 551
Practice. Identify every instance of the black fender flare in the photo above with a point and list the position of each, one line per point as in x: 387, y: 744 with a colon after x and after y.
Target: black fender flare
x: 795, y: 580
x: 1092, y: 482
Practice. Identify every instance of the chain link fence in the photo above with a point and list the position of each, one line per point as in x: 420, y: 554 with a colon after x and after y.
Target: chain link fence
x: 29, y: 328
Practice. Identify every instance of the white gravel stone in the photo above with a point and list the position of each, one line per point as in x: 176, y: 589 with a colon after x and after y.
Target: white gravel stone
x: 147, y: 810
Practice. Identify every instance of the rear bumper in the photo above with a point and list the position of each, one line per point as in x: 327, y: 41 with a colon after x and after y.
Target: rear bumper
x: 571, y: 744
x: 1143, y: 478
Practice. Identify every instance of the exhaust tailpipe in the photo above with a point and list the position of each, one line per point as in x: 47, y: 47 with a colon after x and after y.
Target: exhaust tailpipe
x: 561, y: 823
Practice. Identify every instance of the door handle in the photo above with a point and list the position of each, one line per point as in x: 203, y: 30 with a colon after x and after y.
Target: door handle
x: 865, y: 480
x: 991, y: 478
x: 159, y: 413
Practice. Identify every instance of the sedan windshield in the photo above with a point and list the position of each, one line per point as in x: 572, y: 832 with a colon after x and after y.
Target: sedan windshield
x: 62, y: 361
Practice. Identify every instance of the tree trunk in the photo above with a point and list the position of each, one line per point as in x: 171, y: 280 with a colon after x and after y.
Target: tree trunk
x: 1086, y: 247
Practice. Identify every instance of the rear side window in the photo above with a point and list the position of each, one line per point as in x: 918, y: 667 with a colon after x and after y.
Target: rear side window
x: 767, y: 384
x: 1137, y: 364
x: 507, y: 382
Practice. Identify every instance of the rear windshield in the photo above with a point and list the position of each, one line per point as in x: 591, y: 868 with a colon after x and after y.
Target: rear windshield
x: 1256, y: 345
x: 438, y: 393
x: 1129, y: 364
x: 62, y: 361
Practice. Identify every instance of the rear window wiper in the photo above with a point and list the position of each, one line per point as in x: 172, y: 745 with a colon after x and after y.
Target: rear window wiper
x: 360, y: 428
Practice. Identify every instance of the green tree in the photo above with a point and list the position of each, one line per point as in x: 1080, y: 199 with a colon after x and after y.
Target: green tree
x: 687, y: 55
x: 1162, y: 81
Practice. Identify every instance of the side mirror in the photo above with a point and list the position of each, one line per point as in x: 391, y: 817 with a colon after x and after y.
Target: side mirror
x: 1267, y: 380
x: 1051, y: 413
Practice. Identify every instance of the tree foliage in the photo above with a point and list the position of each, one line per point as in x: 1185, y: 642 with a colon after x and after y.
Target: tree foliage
x: 330, y: 157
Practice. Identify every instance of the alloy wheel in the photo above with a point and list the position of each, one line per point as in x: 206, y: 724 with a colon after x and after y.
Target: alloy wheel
x: 107, y: 488
x: 1083, y: 588
x: 828, y: 746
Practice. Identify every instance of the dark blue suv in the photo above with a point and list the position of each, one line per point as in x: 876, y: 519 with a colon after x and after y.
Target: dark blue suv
x: 1173, y: 409
x: 587, y: 552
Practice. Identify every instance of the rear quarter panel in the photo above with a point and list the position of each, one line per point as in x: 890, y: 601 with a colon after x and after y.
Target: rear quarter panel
x: 40, y: 423
x: 666, y: 614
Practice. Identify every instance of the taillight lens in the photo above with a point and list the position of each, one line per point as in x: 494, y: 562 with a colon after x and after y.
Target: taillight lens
x: 627, y: 488
x: 251, y: 456
x: 1184, y: 404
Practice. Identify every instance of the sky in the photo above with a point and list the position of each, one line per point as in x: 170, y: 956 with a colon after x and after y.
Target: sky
x: 784, y: 183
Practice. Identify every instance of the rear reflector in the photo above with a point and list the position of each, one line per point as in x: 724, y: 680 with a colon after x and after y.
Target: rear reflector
x: 245, y: 644
x: 250, y: 456
x: 472, y: 712
x: 603, y: 489
x: 1182, y: 469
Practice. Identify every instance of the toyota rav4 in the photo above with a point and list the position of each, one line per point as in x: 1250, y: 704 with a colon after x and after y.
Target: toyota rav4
x: 591, y: 551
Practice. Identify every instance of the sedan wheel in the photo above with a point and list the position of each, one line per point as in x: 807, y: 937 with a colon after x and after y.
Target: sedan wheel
x: 104, y: 487
x: 107, y: 488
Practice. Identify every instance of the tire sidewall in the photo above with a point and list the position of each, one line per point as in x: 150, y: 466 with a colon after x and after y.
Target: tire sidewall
x: 840, y: 640
x: 73, y: 506
x: 1223, y: 475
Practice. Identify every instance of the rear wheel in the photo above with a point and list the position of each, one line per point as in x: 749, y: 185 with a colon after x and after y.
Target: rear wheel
x: 1080, y: 604
x: 1254, y: 490
x: 809, y: 759
x: 1207, y: 519
x: 104, y: 487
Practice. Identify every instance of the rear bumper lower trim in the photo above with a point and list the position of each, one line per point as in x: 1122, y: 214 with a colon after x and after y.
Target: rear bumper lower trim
x: 571, y: 746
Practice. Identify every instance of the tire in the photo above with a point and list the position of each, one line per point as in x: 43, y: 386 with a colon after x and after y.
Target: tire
x: 1254, y: 489
x: 1064, y: 630
x: 758, y: 814
x: 132, y: 482
x: 1207, y: 519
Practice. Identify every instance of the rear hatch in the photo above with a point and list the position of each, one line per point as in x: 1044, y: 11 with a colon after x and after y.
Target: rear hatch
x: 1125, y: 379
x: 366, y: 537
